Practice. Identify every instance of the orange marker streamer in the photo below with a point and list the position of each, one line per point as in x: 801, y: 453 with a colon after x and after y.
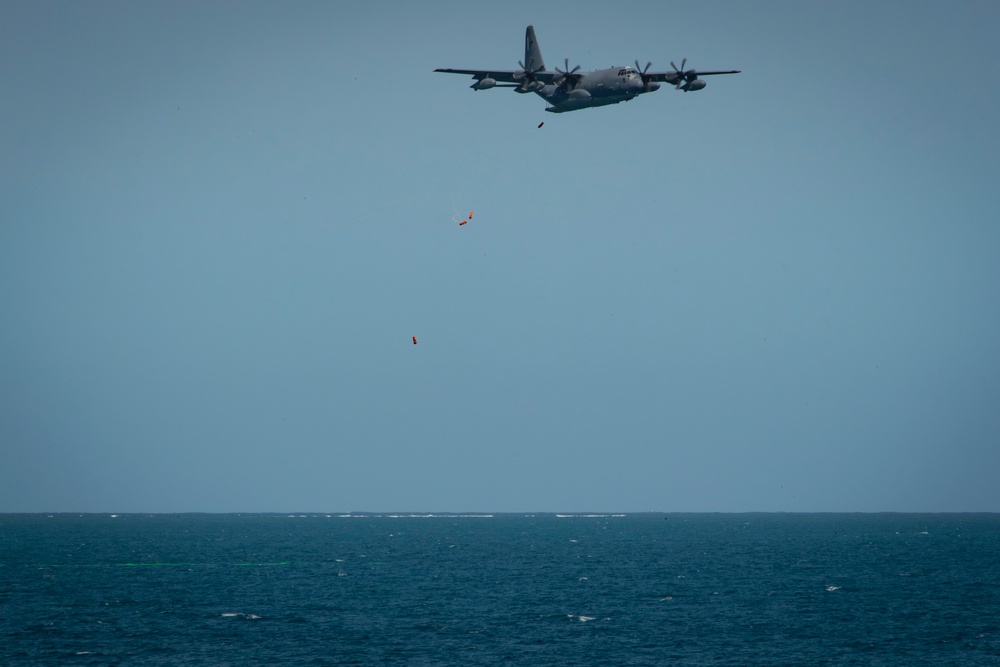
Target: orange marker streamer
x: 414, y: 340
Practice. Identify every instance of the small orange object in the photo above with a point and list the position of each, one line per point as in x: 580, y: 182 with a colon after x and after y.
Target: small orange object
x: 462, y: 223
x: 470, y: 215
x: 414, y: 340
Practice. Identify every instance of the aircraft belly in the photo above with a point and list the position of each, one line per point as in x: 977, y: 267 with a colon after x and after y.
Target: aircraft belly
x: 590, y: 101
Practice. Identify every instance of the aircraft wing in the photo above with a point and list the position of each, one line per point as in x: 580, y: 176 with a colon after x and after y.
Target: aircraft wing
x: 673, y: 76
x: 500, y: 76
x: 505, y: 76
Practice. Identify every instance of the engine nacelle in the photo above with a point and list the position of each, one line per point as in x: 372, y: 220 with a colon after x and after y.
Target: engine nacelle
x: 484, y: 83
x: 692, y: 86
x: 651, y: 86
x: 529, y: 87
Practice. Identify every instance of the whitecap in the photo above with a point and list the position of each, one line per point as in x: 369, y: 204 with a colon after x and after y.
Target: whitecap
x: 833, y: 588
x: 581, y: 617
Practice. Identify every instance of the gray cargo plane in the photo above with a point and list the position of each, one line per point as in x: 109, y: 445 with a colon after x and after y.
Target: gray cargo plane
x: 569, y: 90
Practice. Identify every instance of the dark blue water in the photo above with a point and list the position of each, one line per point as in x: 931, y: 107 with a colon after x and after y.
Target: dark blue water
x: 737, y: 589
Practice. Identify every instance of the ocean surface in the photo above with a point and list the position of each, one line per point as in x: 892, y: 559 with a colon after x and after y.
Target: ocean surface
x: 545, y: 589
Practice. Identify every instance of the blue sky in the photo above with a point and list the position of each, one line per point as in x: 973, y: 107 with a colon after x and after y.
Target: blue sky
x: 222, y: 223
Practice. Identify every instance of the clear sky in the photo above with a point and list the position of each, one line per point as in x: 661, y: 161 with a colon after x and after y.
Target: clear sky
x: 221, y: 224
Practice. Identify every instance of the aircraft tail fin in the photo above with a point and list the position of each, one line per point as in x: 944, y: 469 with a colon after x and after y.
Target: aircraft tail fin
x: 532, y: 54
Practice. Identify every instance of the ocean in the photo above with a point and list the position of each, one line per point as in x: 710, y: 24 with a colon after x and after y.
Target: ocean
x: 522, y: 589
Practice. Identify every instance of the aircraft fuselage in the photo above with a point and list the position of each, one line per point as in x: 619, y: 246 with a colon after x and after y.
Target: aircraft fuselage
x: 594, y: 89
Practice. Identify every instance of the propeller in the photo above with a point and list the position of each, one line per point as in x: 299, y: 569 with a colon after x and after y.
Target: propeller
x: 526, y: 72
x: 642, y: 73
x: 528, y: 75
x: 683, y: 77
x: 569, y: 76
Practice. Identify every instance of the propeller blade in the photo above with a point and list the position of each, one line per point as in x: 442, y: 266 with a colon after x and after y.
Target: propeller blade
x: 567, y: 71
x: 645, y: 77
x: 567, y: 77
x: 528, y: 74
x: 683, y: 76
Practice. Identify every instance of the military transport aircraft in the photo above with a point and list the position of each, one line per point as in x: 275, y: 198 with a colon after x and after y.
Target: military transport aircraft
x: 569, y: 90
